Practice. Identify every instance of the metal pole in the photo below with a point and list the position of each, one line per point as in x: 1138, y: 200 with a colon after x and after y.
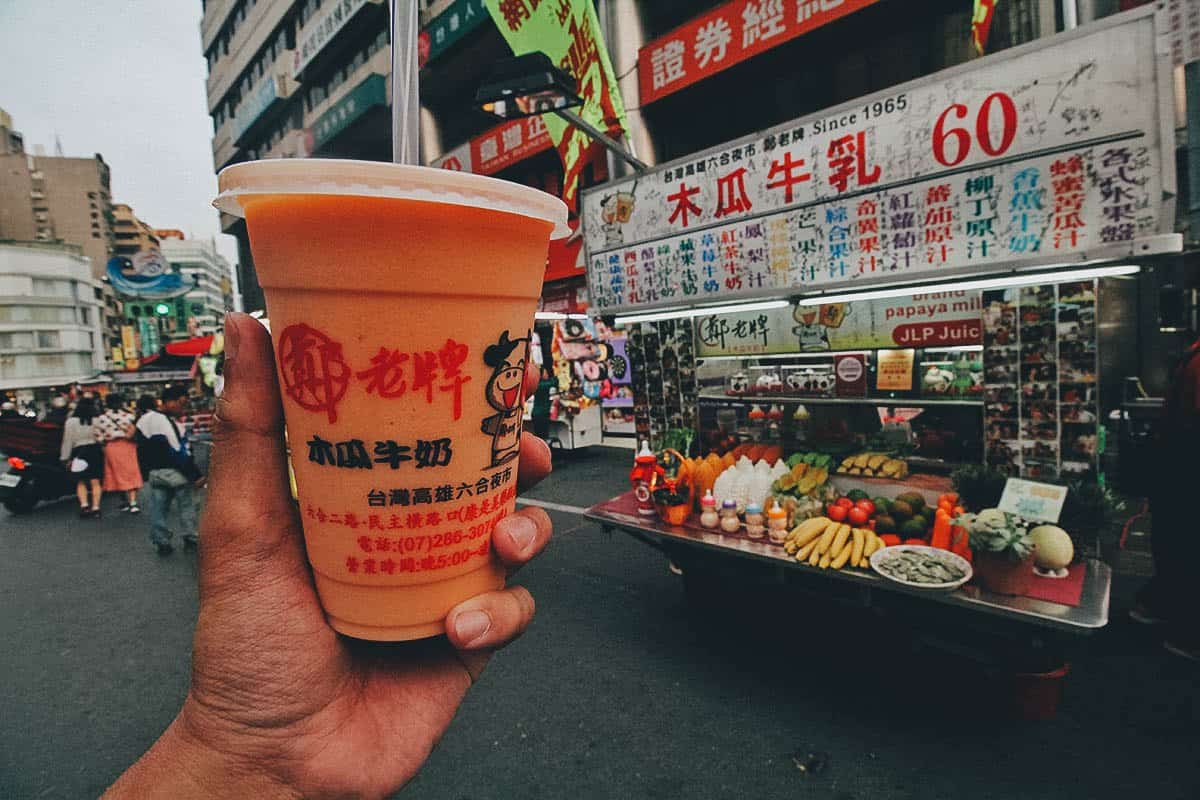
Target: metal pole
x: 406, y: 100
x: 601, y: 137
x: 1070, y: 14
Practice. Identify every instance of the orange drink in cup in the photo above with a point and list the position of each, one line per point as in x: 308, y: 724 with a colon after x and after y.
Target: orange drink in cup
x: 401, y: 300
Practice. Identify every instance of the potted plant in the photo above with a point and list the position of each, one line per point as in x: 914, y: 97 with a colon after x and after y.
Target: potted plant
x: 674, y: 501
x: 978, y: 486
x: 1003, y: 550
x: 1092, y: 515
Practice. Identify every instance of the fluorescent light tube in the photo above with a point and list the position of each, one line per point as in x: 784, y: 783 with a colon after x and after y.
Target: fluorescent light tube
x: 701, y: 311
x: 1007, y: 281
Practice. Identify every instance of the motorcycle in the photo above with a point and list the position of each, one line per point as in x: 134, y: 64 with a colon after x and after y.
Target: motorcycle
x: 35, y: 473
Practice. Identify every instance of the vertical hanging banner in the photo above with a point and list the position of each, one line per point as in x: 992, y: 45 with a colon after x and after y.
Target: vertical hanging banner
x: 569, y: 33
x: 981, y: 24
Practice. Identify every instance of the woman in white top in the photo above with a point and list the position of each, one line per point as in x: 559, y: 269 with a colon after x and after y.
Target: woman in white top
x: 84, y: 457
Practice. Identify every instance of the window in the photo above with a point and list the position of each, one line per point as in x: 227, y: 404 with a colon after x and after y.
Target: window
x: 85, y: 316
x: 20, y: 340
x: 48, y: 340
x: 44, y: 287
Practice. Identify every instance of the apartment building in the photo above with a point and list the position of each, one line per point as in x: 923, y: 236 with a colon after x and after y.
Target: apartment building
x: 200, y: 311
x: 50, y: 317
x: 294, y: 78
x: 130, y: 234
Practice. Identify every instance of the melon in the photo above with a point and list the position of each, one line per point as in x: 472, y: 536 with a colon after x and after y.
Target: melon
x: 1053, y: 548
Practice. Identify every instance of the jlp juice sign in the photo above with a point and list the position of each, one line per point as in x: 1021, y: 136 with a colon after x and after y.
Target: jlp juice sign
x: 945, y: 319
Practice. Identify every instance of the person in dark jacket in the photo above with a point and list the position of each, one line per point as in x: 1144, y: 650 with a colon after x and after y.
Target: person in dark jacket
x: 171, y: 473
x: 540, y: 415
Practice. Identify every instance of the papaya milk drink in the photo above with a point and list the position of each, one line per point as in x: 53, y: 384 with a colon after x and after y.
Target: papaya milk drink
x: 401, y: 300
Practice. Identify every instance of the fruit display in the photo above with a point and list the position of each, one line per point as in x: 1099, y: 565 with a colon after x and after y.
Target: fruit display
x: 827, y: 544
x: 1052, y: 547
x: 873, y: 465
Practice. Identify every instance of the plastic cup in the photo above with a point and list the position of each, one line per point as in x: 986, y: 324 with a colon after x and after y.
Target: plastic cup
x: 400, y: 301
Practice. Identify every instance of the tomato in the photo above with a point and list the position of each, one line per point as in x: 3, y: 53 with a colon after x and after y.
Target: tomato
x: 845, y: 502
x: 866, y: 505
x: 857, y: 516
x: 889, y: 539
x: 871, y: 524
x: 837, y: 513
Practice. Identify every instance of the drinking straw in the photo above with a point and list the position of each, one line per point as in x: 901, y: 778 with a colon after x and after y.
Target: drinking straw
x: 405, y: 93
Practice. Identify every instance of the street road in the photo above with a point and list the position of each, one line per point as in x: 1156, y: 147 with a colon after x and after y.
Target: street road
x: 616, y: 691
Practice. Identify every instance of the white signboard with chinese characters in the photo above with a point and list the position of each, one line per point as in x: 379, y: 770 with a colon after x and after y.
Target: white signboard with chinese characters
x: 1041, y: 502
x: 1047, y: 153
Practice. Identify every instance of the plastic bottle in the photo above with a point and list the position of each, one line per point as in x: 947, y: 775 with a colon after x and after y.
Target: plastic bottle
x: 709, y: 518
x: 754, y: 521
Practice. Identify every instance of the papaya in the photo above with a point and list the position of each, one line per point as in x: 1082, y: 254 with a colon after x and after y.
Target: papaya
x: 740, y: 450
x: 755, y: 453
x: 772, y: 454
x: 714, y: 461
x: 728, y: 461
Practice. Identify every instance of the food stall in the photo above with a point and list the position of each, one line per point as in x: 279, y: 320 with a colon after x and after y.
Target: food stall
x: 881, y: 322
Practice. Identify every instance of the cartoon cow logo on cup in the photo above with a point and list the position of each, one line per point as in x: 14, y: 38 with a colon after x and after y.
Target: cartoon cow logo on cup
x: 505, y: 392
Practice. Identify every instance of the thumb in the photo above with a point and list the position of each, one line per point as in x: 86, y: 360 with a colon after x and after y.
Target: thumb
x: 250, y: 535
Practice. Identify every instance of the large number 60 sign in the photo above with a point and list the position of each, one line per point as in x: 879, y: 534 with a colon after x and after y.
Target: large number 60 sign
x: 959, y: 138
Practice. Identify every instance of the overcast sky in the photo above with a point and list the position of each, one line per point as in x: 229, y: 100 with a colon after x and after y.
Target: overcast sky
x: 123, y: 78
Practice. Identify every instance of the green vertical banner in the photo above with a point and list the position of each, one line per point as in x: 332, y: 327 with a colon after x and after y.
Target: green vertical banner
x: 569, y: 33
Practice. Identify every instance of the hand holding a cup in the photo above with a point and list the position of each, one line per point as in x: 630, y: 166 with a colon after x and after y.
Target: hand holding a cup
x: 280, y: 705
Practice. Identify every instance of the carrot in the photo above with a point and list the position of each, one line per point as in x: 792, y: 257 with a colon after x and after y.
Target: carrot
x: 889, y: 539
x: 921, y: 542
x: 941, y: 530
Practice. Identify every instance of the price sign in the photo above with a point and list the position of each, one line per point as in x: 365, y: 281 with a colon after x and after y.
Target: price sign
x: 1041, y: 502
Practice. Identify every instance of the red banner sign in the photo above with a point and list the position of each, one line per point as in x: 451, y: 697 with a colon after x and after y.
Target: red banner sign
x: 728, y: 35
x: 503, y: 146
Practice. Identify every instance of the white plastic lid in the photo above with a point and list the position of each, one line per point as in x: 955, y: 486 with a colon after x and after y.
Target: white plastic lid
x: 332, y: 176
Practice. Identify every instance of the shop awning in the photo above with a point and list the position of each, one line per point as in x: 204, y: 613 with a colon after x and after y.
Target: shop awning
x: 192, y: 347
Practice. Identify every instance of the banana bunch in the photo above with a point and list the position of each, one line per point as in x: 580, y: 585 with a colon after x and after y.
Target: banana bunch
x: 823, y: 543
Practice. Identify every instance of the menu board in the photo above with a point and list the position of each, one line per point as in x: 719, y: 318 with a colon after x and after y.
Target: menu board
x: 894, y: 370
x: 1042, y: 152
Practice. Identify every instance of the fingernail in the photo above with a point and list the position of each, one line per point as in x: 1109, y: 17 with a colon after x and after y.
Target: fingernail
x: 521, y: 530
x: 470, y: 625
x: 231, y: 338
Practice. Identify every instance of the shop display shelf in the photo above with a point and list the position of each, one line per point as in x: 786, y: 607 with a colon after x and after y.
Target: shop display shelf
x: 876, y: 401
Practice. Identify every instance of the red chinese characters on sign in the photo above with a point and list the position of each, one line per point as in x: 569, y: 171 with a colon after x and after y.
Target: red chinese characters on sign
x: 314, y: 372
x: 316, y: 375
x: 683, y: 205
x: 789, y: 174
x: 731, y: 193
x: 506, y: 144
x: 848, y: 168
x: 728, y: 35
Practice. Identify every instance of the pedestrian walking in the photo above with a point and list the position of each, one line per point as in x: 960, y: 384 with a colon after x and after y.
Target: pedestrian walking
x: 1170, y: 596
x: 84, y: 457
x: 171, y: 472
x: 540, y: 414
x: 115, y: 430
x: 59, y: 410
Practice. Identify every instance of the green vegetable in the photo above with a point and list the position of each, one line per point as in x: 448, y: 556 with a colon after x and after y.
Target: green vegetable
x: 918, y: 567
x: 857, y: 494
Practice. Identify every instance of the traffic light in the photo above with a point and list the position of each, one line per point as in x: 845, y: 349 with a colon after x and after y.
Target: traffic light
x: 162, y: 309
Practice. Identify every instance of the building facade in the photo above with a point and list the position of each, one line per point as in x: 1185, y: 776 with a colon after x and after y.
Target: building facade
x: 199, y: 312
x: 130, y: 234
x: 50, y: 317
x: 60, y: 199
x: 294, y: 78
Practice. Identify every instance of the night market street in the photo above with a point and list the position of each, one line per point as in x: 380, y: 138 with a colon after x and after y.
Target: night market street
x: 615, y: 691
